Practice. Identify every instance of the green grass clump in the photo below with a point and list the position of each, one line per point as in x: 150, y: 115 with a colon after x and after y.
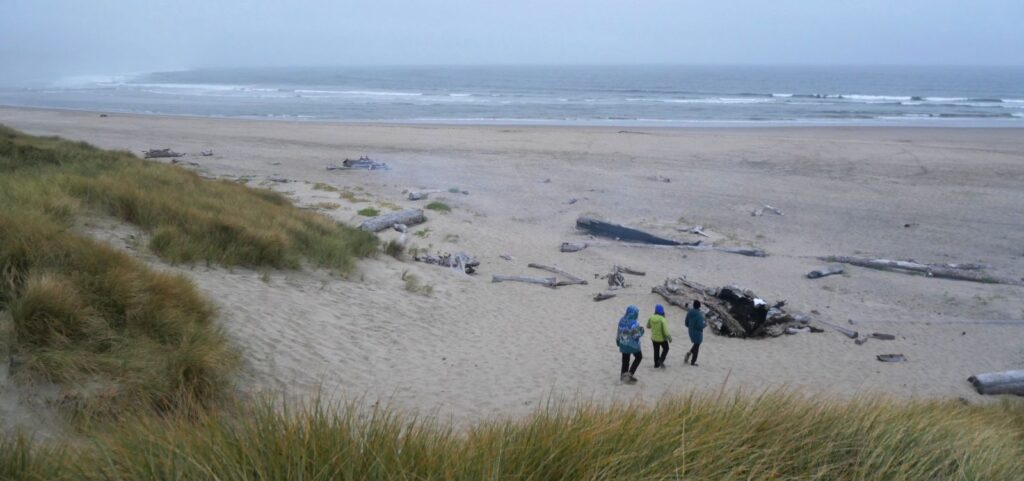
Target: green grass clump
x: 394, y: 249
x: 368, y: 212
x: 325, y: 187
x: 439, y: 206
x: 772, y: 436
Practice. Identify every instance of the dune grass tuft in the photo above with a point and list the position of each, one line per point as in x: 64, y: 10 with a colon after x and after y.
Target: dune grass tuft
x: 439, y: 207
x: 368, y: 212
x: 771, y: 436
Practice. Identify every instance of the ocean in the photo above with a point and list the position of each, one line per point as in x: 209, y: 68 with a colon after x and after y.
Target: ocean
x: 569, y: 95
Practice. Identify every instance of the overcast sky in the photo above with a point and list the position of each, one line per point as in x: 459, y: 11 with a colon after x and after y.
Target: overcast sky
x: 54, y: 38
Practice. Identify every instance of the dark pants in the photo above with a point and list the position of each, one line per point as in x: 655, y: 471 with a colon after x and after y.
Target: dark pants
x: 660, y: 352
x: 693, y: 351
x: 636, y: 362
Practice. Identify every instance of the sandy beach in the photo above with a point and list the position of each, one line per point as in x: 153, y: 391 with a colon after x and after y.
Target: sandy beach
x: 473, y: 349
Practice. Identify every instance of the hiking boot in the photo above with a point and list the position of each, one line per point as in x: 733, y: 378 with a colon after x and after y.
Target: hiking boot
x: 624, y: 377
x: 632, y: 380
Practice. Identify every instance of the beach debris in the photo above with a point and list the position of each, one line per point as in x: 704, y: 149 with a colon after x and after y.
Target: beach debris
x: 1003, y: 382
x: 400, y: 228
x: 407, y: 217
x: 601, y: 296
x: 960, y: 272
x: 659, y: 178
x: 103, y: 115
x: 460, y: 261
x: 572, y: 246
x: 825, y: 271
x: 846, y: 332
x: 766, y: 208
x: 892, y: 358
x: 883, y: 337
x: 544, y: 281
x: 363, y: 162
x: 422, y: 194
x: 160, y: 153
x: 623, y: 233
x: 570, y: 279
x: 278, y: 179
x: 507, y: 257
x: 206, y: 153
x: 797, y: 330
x: 697, y: 229
x: 616, y: 280
x: 572, y: 201
x: 730, y: 310
x: 545, y: 181
x: 861, y: 341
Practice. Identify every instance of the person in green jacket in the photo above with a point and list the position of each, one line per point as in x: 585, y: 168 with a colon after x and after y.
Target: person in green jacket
x: 659, y: 335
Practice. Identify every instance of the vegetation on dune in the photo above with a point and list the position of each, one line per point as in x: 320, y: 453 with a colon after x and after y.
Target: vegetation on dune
x: 368, y: 212
x: 114, y: 332
x: 439, y: 207
x: 773, y: 436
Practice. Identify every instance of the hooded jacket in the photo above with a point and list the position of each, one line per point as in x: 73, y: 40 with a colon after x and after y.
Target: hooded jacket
x: 658, y: 325
x: 629, y: 332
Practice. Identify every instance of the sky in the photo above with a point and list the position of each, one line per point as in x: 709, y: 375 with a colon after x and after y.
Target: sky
x: 51, y: 39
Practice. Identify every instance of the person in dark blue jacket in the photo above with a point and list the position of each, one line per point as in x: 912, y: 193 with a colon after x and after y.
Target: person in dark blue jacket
x: 695, y: 324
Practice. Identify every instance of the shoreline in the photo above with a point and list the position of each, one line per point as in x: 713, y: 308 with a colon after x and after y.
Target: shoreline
x: 922, y: 123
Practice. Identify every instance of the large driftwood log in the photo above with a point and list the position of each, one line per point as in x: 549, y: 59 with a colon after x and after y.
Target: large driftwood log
x: 680, y: 293
x: 423, y: 194
x: 825, y: 271
x: 570, y: 279
x: 696, y: 246
x: 386, y: 221
x: 959, y: 272
x: 461, y: 261
x: 622, y: 233
x: 1005, y: 382
x: 544, y: 281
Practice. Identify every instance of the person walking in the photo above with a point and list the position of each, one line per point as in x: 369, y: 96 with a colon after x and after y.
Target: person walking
x: 628, y: 340
x: 659, y: 335
x: 695, y: 324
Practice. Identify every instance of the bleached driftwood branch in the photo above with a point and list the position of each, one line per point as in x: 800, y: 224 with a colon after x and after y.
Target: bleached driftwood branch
x: 570, y: 279
x: 407, y: 217
x: 960, y: 272
x: 544, y: 281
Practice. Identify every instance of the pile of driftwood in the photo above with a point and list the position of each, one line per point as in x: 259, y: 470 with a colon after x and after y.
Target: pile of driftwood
x: 1006, y: 382
x: 460, y: 261
x: 160, y: 153
x: 731, y: 311
x: 960, y: 272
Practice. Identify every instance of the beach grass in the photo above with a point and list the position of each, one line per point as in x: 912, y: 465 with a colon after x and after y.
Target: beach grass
x: 113, y: 332
x: 368, y: 212
x: 775, y: 435
x: 439, y: 207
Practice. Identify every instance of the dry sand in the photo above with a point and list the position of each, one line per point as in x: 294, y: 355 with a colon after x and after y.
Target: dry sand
x: 474, y: 349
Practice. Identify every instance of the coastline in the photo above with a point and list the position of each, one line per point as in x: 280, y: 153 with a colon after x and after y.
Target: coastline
x: 475, y: 348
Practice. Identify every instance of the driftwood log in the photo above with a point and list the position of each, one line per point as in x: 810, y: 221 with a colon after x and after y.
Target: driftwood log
x: 627, y: 270
x: 363, y: 163
x: 572, y: 246
x: 730, y: 311
x: 959, y: 272
x: 161, y: 153
x: 892, y: 358
x: 696, y: 246
x: 603, y: 296
x: 847, y: 332
x: 570, y: 279
x: 766, y: 208
x: 1005, y: 382
x: 386, y: 221
x: 622, y: 233
x: 825, y: 271
x: 423, y: 194
x: 544, y: 281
